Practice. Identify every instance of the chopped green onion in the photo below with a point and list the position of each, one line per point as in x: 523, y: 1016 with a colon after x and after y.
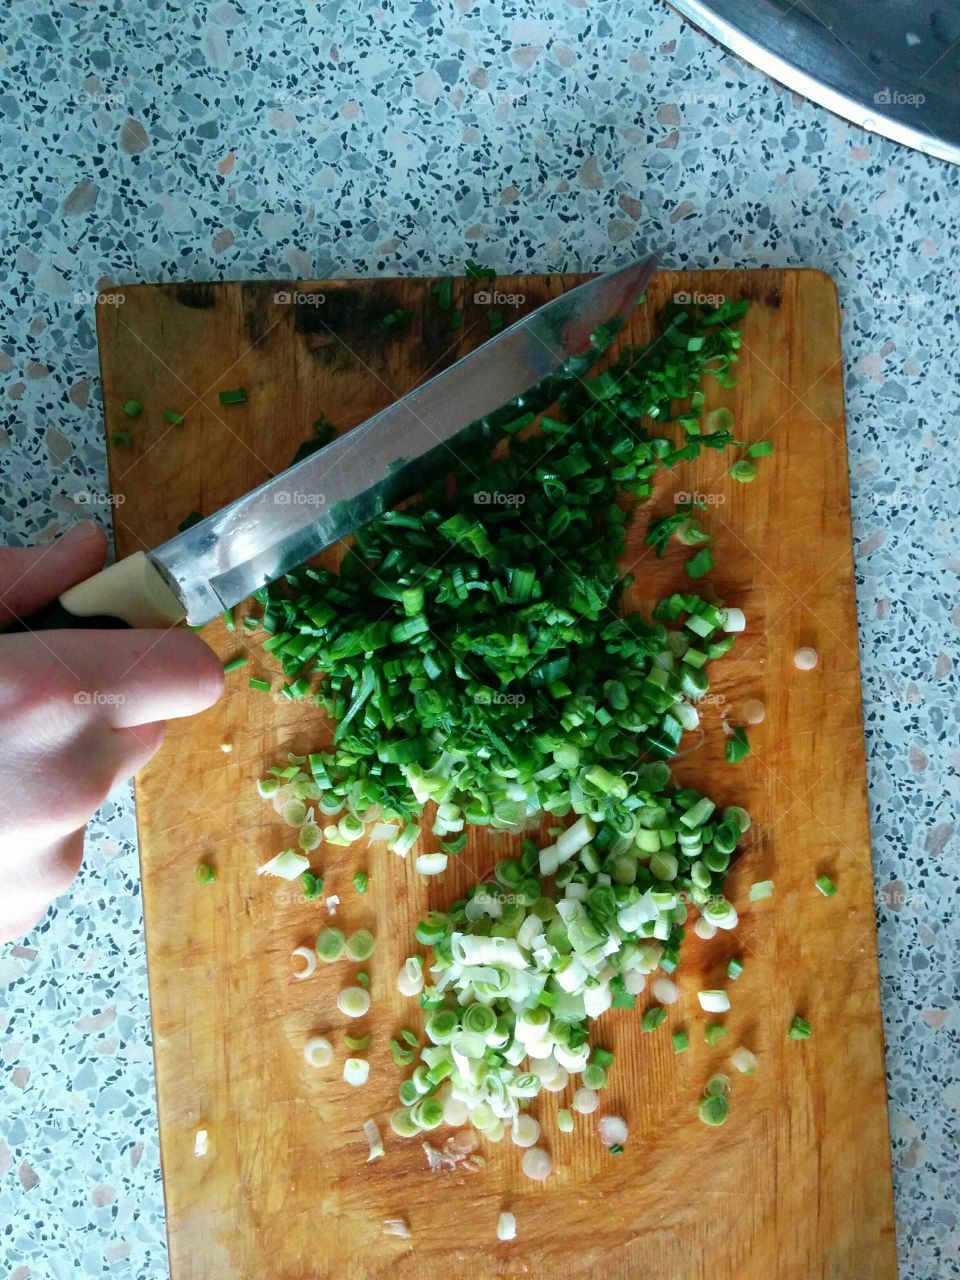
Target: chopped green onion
x: 360, y: 945
x: 237, y: 396
x: 357, y: 1043
x: 330, y: 945
x: 121, y: 437
x: 760, y: 449
x: 287, y: 865
x: 718, y: 1086
x: 363, y: 978
x: 654, y: 1017
x: 175, y: 419
x: 826, y: 886
x: 681, y: 1041
x: 800, y: 1029
x: 713, y: 1109
x: 565, y: 1120
x: 699, y: 564
x: 734, y: 967
x: 738, y: 746
x: 189, y: 521
x: 262, y: 685
x: 312, y: 885
x: 353, y: 1002
x: 743, y: 471
x: 228, y: 620
x: 714, y: 1033
x: 361, y: 880
x: 205, y: 874
x: 616, y: 1149
x: 761, y: 890
x: 401, y: 1055
x: 409, y: 1036
x: 356, y: 1071
x: 234, y: 664
x: 133, y: 408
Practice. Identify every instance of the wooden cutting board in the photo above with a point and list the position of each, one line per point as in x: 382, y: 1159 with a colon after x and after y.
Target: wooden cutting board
x: 797, y: 1184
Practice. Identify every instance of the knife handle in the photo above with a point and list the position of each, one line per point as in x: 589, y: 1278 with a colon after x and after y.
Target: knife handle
x: 130, y: 593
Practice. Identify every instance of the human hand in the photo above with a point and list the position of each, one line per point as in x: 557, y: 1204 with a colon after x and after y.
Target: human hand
x: 81, y: 712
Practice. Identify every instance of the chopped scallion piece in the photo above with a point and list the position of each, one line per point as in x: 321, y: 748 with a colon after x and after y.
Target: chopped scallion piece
x: 681, y: 1041
x: 360, y: 881
x: 760, y: 449
x: 800, y: 1029
x: 734, y: 967
x: 133, y: 408
x: 714, y: 1033
x: 262, y: 685
x: 237, y: 396
x: 744, y: 471
x: 699, y: 564
x: 654, y: 1017
x: 205, y: 874
x: 234, y: 664
x: 826, y: 886
x: 173, y: 417
x: 738, y: 746
x: 761, y: 890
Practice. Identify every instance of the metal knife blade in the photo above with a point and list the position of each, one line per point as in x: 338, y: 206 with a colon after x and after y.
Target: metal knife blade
x: 221, y: 560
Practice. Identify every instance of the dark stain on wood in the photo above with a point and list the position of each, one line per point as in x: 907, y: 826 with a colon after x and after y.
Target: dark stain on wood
x: 200, y: 296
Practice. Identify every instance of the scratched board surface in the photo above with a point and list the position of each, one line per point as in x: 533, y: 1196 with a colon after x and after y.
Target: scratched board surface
x: 796, y: 1185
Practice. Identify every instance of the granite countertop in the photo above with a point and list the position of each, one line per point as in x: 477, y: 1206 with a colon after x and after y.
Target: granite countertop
x: 165, y: 143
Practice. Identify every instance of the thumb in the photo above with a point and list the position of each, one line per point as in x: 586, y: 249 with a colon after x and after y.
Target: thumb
x: 32, y: 576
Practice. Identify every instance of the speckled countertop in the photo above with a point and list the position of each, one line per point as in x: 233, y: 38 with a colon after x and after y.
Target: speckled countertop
x: 299, y: 139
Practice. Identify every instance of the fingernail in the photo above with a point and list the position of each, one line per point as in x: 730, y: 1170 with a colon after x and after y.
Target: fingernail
x: 79, y: 532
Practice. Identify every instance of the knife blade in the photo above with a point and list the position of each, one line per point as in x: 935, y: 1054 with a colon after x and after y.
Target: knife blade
x: 224, y: 558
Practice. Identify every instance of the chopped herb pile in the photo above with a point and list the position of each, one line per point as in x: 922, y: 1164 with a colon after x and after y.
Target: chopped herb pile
x: 470, y: 649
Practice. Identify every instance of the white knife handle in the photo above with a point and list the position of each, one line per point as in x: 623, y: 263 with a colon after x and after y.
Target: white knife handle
x: 132, y: 589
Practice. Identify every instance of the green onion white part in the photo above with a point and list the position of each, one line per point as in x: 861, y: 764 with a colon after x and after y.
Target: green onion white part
x: 536, y: 1164
x: 200, y: 1143
x: 613, y: 1131
x: 515, y: 977
x: 744, y: 1061
x: 318, y: 1052
x: 762, y: 890
x: 356, y: 1071
x: 714, y: 1001
x: 371, y: 1132
x: 309, y: 957
x: 287, y: 865
x: 506, y: 1227
x: 565, y: 1120
x: 396, y: 1227
x: 806, y: 659
x: 353, y: 1002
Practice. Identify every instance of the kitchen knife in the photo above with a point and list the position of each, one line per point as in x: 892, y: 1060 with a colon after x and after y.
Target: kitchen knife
x: 223, y: 559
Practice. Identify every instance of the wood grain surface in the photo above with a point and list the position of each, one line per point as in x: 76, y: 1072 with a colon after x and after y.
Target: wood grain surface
x: 796, y: 1185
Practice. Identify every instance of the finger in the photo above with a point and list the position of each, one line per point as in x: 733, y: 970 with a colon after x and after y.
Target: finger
x: 25, y: 898
x: 32, y: 576
x: 138, y: 744
x: 64, y: 787
x: 133, y: 677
